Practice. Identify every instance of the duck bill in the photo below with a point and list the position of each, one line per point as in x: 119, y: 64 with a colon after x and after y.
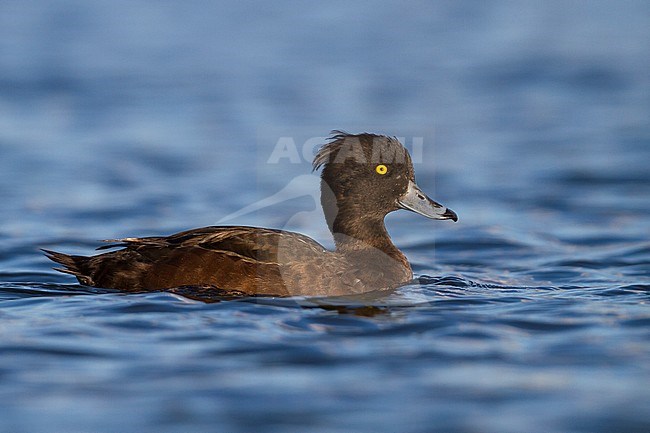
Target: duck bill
x: 417, y: 201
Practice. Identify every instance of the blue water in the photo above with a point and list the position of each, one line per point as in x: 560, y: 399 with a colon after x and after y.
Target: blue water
x: 140, y: 118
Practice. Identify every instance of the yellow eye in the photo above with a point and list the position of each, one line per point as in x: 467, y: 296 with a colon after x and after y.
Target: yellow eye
x: 381, y: 169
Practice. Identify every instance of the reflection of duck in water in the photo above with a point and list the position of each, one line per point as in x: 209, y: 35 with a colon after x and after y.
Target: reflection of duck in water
x: 364, y: 177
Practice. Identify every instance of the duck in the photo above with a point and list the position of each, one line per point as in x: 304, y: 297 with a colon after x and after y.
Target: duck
x: 364, y: 177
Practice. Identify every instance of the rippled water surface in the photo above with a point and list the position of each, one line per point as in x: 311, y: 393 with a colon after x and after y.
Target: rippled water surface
x: 140, y: 118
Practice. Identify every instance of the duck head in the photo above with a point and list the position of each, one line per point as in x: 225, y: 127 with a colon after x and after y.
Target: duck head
x: 365, y: 177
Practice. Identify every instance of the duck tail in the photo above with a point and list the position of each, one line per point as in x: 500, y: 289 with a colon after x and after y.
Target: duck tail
x: 73, y: 265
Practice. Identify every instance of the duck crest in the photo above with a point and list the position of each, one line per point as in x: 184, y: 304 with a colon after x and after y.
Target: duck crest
x: 363, y: 148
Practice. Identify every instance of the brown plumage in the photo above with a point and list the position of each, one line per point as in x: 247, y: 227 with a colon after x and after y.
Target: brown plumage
x: 356, y: 195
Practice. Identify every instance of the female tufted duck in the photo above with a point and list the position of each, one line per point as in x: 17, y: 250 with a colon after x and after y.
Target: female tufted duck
x: 364, y: 177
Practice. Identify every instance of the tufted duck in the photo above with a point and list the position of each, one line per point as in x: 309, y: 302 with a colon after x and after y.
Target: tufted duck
x: 364, y: 177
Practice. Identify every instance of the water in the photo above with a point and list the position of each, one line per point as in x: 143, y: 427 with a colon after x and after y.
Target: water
x: 140, y: 118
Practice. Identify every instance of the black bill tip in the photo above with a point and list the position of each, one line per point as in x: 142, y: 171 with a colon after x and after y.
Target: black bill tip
x: 450, y: 214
